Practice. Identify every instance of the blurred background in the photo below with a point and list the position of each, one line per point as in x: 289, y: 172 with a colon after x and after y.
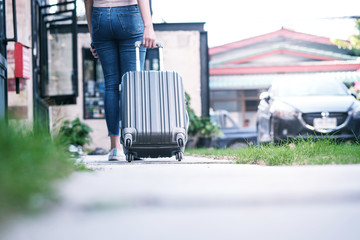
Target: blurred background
x: 228, y: 53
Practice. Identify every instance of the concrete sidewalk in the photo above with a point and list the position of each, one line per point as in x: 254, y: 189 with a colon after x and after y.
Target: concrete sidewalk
x: 101, y: 161
x: 200, y: 198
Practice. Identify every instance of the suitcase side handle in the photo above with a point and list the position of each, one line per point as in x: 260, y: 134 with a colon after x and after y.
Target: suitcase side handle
x: 161, y: 57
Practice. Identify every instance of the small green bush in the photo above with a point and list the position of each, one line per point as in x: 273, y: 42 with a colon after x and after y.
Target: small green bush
x: 75, y: 132
x: 199, y: 125
x: 207, y: 128
x: 194, y: 121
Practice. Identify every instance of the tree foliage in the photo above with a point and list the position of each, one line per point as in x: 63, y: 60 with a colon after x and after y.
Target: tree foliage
x: 353, y: 44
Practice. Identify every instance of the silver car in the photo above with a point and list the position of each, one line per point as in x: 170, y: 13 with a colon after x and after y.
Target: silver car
x: 307, y: 108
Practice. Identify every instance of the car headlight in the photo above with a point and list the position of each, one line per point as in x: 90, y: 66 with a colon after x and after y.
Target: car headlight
x: 355, y: 110
x: 356, y: 113
x: 285, y: 111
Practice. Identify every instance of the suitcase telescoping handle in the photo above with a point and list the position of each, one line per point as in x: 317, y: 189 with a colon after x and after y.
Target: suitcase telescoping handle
x: 161, y: 59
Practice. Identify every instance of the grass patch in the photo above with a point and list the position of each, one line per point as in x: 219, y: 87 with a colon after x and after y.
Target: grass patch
x: 30, y: 163
x: 296, y: 152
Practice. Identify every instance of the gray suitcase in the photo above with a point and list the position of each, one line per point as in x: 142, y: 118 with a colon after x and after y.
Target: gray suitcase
x: 154, y: 120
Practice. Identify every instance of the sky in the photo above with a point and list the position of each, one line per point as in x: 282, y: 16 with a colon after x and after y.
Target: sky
x: 233, y: 20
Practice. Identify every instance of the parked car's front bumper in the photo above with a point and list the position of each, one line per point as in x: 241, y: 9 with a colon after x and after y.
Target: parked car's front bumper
x: 297, y: 127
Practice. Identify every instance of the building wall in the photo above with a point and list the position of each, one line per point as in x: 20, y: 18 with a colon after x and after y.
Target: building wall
x: 181, y: 54
x: 20, y: 105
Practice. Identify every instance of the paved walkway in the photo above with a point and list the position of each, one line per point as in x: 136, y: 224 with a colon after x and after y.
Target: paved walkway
x: 97, y: 162
x: 200, y: 198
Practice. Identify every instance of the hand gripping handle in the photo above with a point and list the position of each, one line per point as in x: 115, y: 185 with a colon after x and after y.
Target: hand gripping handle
x: 161, y: 58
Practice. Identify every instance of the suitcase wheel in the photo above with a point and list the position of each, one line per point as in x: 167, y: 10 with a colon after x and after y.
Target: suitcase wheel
x: 128, y: 140
x: 129, y: 157
x: 179, y: 156
x: 128, y: 143
x: 180, y: 142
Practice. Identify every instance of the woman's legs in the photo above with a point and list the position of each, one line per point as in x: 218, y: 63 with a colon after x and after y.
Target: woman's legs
x: 107, y: 52
x: 117, y: 31
x: 109, y: 57
x: 115, y: 142
x: 117, y: 58
x: 127, y: 55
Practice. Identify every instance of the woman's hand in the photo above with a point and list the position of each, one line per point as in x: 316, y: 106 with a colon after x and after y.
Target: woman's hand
x: 93, y: 51
x: 149, y: 34
x: 149, y: 39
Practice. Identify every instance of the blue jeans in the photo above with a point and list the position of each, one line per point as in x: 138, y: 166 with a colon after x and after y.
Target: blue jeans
x: 114, y: 33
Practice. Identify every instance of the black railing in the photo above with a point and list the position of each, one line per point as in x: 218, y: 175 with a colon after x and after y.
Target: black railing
x: 41, y: 115
x: 3, y: 63
x: 41, y: 109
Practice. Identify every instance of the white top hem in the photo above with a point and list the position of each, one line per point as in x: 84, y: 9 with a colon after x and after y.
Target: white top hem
x: 113, y: 3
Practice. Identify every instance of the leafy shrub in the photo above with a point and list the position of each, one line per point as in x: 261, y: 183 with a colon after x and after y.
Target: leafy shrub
x: 199, y: 125
x: 75, y: 132
x: 194, y: 121
x: 208, y: 128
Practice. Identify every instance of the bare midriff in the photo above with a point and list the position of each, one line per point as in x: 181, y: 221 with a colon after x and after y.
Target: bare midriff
x: 113, y: 3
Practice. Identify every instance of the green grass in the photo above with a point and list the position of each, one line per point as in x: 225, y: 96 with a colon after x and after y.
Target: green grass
x: 29, y: 165
x: 297, y: 152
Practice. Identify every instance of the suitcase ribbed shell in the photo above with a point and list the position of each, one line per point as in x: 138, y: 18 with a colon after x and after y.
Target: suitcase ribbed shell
x: 153, y: 113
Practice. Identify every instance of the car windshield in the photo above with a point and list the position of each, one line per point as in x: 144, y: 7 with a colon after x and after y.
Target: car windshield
x: 308, y: 88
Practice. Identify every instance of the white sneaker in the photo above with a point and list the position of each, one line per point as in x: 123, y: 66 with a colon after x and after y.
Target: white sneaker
x: 116, y: 155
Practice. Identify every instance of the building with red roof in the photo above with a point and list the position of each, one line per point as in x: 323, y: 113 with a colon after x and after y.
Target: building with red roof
x: 240, y: 71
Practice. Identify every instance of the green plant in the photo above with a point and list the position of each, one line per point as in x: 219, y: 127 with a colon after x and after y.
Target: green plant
x: 354, y: 41
x: 75, y: 132
x: 200, y: 126
x: 208, y: 129
x: 195, y: 123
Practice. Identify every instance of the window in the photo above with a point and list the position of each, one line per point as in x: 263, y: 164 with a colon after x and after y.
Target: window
x: 58, y: 53
x: 251, y: 93
x: 60, y: 64
x: 152, y: 59
x: 230, y: 106
x: 251, y: 105
x: 224, y: 94
x: 94, y: 87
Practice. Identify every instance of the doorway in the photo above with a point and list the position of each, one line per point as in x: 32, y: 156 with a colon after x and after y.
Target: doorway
x: 54, y: 56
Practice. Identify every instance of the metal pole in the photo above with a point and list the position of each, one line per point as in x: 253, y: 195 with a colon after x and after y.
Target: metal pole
x: 4, y: 42
x: 14, y: 20
x: 14, y: 39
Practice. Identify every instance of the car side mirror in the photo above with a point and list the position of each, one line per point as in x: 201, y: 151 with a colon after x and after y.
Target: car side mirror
x: 265, y: 96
